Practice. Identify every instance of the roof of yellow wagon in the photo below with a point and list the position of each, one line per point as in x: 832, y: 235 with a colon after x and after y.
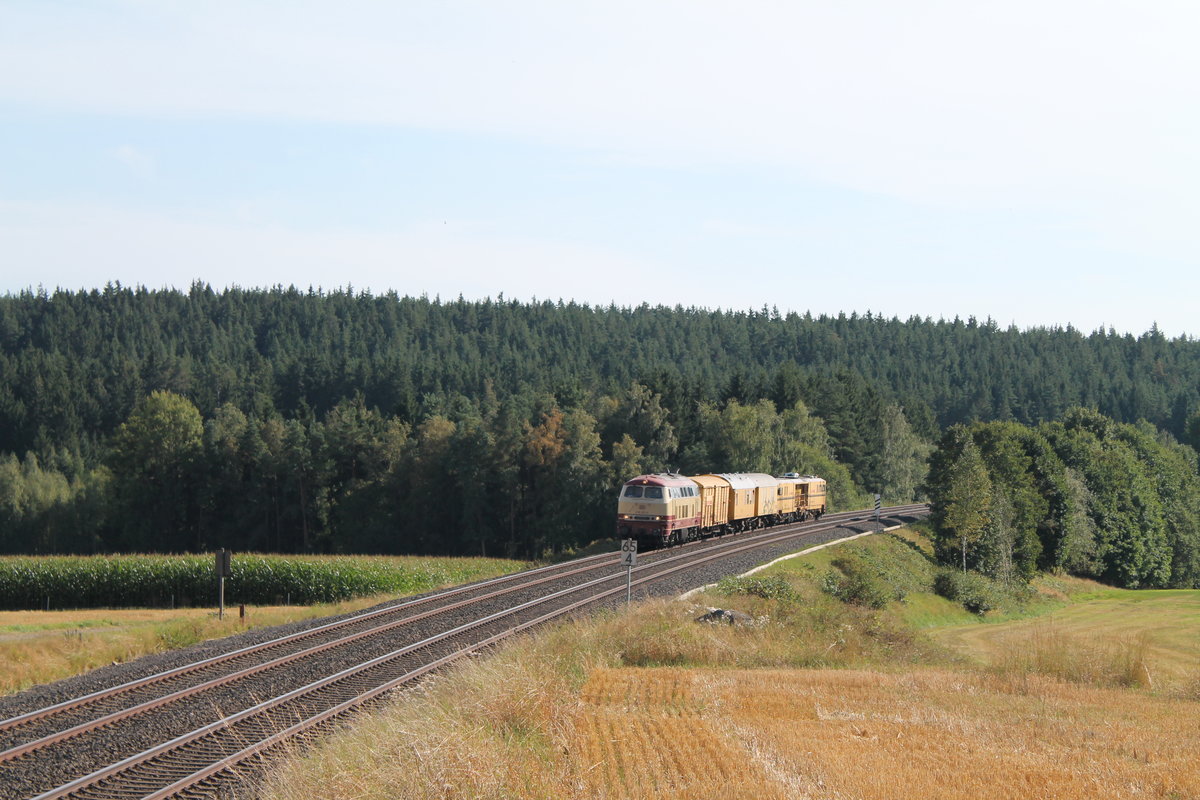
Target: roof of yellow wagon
x: 745, y: 480
x: 792, y: 477
x: 761, y: 478
x: 709, y: 480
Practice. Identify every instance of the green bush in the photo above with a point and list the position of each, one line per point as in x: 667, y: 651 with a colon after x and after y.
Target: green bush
x: 971, y: 590
x: 773, y: 587
x: 856, y: 582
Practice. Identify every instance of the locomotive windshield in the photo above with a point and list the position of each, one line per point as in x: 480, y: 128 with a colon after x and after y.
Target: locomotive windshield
x: 633, y: 491
x: 652, y: 492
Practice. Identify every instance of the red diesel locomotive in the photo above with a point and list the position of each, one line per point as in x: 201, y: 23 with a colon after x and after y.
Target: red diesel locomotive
x: 666, y: 509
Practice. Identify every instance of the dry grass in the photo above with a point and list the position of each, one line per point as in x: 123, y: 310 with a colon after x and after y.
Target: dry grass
x: 1046, y: 649
x: 493, y: 728
x: 631, y: 706
x: 1102, y: 702
x: 42, y: 646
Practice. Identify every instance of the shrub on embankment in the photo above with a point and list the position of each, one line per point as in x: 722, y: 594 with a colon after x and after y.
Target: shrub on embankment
x: 189, y: 580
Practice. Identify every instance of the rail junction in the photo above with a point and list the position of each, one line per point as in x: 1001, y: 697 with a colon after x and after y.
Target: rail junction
x: 207, y: 728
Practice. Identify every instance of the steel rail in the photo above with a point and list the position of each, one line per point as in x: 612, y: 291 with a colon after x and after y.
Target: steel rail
x: 549, y: 573
x: 274, y: 702
x: 350, y: 706
x: 139, y: 683
x: 567, y: 569
x: 255, y: 669
x: 655, y: 572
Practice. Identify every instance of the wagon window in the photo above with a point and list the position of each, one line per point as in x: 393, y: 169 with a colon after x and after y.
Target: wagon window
x: 654, y: 492
x: 633, y: 491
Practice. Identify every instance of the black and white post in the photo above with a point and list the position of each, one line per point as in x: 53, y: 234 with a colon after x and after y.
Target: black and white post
x: 877, y: 504
x: 224, y: 570
x: 629, y: 559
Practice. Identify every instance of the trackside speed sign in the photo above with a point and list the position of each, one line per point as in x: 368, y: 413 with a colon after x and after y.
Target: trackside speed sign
x: 629, y: 552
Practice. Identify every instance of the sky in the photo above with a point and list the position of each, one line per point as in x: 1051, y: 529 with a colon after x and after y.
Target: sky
x: 1036, y: 163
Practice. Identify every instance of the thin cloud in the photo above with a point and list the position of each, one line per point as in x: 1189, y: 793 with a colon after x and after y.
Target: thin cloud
x: 933, y: 101
x: 140, y: 163
x: 74, y: 246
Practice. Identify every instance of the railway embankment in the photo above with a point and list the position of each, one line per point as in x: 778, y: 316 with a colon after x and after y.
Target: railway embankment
x: 206, y: 726
x: 861, y: 670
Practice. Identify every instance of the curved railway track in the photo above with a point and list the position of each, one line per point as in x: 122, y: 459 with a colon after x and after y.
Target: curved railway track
x: 197, y: 729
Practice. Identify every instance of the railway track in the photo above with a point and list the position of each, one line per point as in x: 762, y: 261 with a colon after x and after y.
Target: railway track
x: 196, y: 729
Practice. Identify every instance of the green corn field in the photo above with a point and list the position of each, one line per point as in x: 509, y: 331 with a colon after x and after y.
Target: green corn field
x: 156, y: 581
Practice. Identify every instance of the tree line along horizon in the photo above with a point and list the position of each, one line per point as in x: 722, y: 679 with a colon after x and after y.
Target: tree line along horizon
x: 290, y: 421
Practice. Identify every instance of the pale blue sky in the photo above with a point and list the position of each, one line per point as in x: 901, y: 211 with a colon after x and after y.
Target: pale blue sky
x: 1035, y: 162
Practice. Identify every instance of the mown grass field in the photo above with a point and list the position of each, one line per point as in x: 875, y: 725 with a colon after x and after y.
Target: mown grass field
x: 42, y: 646
x: 1158, y: 628
x: 818, y: 699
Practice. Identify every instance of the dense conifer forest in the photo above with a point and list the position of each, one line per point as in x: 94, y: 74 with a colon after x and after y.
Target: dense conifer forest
x: 307, y: 421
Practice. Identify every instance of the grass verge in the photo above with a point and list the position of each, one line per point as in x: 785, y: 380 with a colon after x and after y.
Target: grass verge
x: 43, y: 646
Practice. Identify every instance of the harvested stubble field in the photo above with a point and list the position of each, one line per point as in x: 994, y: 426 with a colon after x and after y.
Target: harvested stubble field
x: 819, y: 699
x: 867, y: 734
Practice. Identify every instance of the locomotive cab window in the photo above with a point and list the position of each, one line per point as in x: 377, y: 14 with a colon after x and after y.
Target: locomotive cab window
x: 633, y: 491
x: 654, y: 492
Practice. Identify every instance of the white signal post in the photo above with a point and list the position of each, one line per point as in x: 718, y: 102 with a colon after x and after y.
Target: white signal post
x: 877, y: 508
x: 629, y: 559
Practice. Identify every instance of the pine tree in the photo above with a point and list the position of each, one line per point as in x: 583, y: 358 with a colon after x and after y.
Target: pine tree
x: 960, y: 493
